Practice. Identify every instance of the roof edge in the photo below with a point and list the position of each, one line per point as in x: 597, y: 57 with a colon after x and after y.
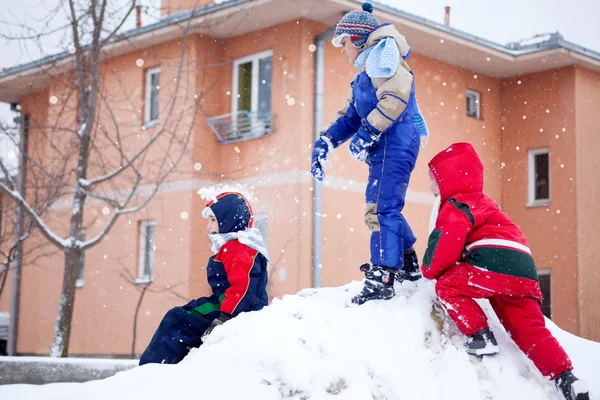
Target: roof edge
x: 556, y: 40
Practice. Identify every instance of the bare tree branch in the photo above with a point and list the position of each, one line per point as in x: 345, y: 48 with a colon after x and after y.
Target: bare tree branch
x: 31, y: 213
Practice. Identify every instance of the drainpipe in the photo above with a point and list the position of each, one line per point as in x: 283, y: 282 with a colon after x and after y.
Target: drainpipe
x: 317, y: 186
x: 16, y: 289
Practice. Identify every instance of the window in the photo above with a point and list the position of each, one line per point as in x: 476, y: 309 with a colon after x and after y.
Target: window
x: 539, y: 177
x: 151, y: 100
x: 473, y: 104
x: 252, y: 83
x: 147, y: 249
x: 81, y: 267
x: 261, y: 222
x: 546, y: 288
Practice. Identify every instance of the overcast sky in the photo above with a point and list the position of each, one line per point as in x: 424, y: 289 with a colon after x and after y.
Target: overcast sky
x: 500, y: 21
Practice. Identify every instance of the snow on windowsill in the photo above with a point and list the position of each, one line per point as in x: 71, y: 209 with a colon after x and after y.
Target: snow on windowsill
x: 143, y: 280
x: 150, y: 124
x: 538, y: 203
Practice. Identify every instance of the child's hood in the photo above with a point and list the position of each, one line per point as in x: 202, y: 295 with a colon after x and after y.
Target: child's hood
x: 385, y: 31
x: 457, y: 169
x: 232, y: 211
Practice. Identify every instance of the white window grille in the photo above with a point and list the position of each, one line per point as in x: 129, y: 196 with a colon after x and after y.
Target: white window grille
x: 473, y: 104
x: 539, y: 177
x: 545, y: 278
x: 147, y: 251
x: 261, y: 222
x: 152, y: 92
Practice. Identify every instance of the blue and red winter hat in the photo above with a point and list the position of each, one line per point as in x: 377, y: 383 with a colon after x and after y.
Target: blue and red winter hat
x: 357, y: 25
x: 232, y: 211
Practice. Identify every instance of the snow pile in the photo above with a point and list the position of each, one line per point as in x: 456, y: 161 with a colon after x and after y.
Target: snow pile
x: 315, y: 345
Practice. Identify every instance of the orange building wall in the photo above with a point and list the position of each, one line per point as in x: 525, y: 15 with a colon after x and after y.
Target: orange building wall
x: 536, y: 109
x: 275, y: 168
x: 587, y: 181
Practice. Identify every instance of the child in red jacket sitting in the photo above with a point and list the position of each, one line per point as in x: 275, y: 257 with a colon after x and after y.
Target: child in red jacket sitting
x: 475, y: 251
x: 237, y: 275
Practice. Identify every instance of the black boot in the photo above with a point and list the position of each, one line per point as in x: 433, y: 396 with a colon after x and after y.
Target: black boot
x: 482, y: 343
x: 379, y: 284
x: 411, y: 271
x: 571, y: 387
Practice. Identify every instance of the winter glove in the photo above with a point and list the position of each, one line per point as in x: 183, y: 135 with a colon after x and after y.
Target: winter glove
x: 362, y: 140
x: 322, y: 147
x: 220, y: 320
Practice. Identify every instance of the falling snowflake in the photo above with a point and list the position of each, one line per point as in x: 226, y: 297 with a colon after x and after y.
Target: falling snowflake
x: 184, y: 215
x: 139, y: 62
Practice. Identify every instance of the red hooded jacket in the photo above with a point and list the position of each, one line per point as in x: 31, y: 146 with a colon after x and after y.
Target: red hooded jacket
x: 472, y: 229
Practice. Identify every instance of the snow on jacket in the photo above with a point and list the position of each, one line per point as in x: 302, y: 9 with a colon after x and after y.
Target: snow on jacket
x: 471, y: 228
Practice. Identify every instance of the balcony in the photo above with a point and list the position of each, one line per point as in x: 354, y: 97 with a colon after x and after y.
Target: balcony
x: 240, y: 126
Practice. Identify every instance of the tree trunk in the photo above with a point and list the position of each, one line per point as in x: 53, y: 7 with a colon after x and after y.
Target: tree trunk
x: 135, y: 319
x: 62, y: 329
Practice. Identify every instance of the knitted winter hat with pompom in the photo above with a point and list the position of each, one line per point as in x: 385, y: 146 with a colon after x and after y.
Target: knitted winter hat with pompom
x: 357, y: 25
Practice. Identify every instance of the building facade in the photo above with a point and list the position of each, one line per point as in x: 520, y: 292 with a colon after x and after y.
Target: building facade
x: 530, y: 112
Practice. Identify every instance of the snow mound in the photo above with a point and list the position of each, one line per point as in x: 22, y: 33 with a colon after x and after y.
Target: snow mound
x: 315, y: 345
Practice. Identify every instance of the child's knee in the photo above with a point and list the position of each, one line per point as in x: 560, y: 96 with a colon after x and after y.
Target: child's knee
x: 371, y: 218
x: 441, y: 287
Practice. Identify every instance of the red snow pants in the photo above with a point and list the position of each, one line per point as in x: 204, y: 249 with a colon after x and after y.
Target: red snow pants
x: 515, y: 301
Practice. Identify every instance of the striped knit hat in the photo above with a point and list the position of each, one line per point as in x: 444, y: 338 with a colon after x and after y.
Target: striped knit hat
x: 357, y: 25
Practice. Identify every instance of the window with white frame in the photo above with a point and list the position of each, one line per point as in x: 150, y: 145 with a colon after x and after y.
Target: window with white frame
x: 252, y: 83
x: 147, y: 250
x: 539, y: 177
x: 152, y: 91
x: 261, y: 222
x: 473, y: 104
x: 545, y: 278
x: 81, y: 267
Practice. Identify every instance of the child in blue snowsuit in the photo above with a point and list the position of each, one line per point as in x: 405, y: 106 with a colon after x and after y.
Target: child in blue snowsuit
x: 382, y: 118
x: 237, y: 275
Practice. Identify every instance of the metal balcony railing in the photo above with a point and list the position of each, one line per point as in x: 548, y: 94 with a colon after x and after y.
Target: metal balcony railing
x: 243, y: 125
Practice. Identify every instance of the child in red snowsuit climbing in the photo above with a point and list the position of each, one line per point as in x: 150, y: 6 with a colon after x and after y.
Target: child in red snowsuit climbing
x: 475, y: 251
x: 237, y: 275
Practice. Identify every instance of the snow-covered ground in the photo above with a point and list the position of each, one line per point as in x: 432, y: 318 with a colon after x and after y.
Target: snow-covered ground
x: 314, y: 345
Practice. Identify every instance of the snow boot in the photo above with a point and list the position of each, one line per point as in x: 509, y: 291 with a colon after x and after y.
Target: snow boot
x: 571, y: 387
x: 379, y: 284
x: 482, y: 343
x: 411, y: 271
